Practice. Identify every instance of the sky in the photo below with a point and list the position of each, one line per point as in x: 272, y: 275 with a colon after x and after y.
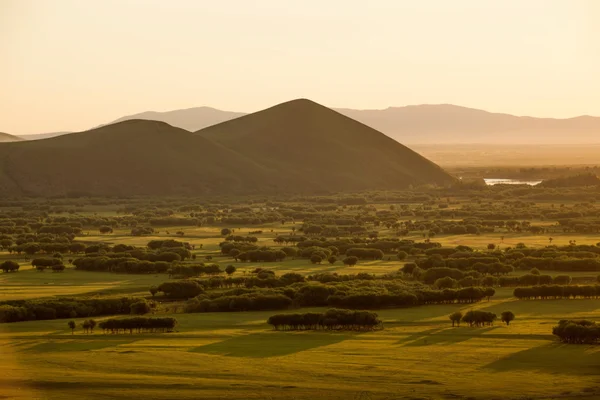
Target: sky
x: 69, y: 65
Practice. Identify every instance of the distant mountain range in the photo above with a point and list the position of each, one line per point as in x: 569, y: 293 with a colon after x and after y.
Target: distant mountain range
x: 295, y: 147
x: 422, y: 124
x: 5, y: 137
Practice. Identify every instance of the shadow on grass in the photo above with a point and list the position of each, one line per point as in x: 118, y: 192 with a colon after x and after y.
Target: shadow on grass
x: 539, y: 308
x: 558, y: 358
x: 272, y: 344
x: 450, y: 336
x: 54, y: 346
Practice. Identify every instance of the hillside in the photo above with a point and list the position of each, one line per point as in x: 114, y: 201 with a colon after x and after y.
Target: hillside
x: 191, y: 119
x: 129, y: 158
x: 5, y: 137
x: 309, y: 143
x: 427, y: 124
x: 296, y: 147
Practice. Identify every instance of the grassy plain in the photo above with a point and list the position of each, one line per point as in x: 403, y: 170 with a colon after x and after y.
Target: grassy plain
x: 237, y: 356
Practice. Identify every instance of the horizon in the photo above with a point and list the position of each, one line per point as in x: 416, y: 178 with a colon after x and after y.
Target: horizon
x: 526, y: 59
x: 333, y: 108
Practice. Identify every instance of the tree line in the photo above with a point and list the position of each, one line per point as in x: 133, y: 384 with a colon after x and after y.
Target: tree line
x: 546, y: 292
x: 577, y: 331
x: 332, y: 319
x: 46, y: 309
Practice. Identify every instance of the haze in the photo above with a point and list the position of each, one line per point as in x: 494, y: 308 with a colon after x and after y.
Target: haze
x: 71, y: 65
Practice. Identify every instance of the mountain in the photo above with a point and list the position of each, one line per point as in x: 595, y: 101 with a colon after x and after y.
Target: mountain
x: 135, y: 157
x: 5, y: 137
x: 314, y: 145
x: 295, y: 147
x: 38, y: 136
x: 190, y: 119
x: 449, y: 124
x: 428, y: 124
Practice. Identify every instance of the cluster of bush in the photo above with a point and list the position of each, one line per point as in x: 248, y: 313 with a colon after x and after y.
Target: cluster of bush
x: 332, y: 319
x: 479, y: 318
x: 577, y: 332
x: 40, y: 309
x: 127, y: 265
x: 257, y: 300
x: 560, y: 264
x: 41, y: 264
x: 265, y: 291
x: 545, y: 292
x: 10, y: 266
x: 138, y: 324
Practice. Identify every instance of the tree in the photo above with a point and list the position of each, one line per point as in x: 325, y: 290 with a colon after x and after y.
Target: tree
x: 351, y: 261
x: 9, y: 266
x: 534, y: 271
x: 234, y: 253
x: 316, y: 259
x: 72, y: 325
x: 445, y: 283
x: 86, y: 326
x: 105, y: 229
x: 332, y: 260
x: 491, y: 246
x: 153, y: 290
x: 93, y: 324
x: 507, y: 317
x: 402, y: 255
x: 225, y: 231
x: 140, y: 308
x: 455, y: 318
x: 230, y: 269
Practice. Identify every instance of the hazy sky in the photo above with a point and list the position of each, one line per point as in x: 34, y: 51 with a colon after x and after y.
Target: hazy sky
x: 74, y: 64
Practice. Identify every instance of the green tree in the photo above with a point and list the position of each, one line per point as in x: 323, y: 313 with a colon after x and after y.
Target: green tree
x: 534, y: 271
x: 93, y: 324
x: 153, y: 290
x: 9, y: 266
x: 351, y: 261
x: 402, y: 255
x: 332, y: 260
x: 105, y: 229
x: 225, y: 231
x: 316, y: 259
x: 455, y: 318
x: 72, y: 325
x: 140, y: 308
x: 230, y: 269
x: 86, y: 326
x: 507, y: 317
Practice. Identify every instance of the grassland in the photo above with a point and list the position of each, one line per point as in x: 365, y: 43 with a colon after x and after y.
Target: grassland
x: 238, y: 356
x: 418, y: 355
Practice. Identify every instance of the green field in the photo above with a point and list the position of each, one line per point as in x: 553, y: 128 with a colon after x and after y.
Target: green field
x: 238, y: 356
x: 418, y: 354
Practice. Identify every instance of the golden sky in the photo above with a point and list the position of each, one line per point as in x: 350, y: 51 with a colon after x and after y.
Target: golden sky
x: 74, y: 64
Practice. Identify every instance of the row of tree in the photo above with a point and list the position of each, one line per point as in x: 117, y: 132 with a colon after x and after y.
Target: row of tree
x: 332, y: 319
x: 577, y: 332
x: 46, y: 309
x: 480, y: 318
x: 545, y: 292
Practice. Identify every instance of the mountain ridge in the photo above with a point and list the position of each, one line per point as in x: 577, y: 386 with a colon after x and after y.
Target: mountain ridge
x: 420, y: 124
x: 144, y: 157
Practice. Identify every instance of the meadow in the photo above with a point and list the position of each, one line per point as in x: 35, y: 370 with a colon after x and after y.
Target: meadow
x: 237, y: 355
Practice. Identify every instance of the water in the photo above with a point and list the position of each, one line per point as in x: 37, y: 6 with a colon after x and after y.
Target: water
x: 492, y: 182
